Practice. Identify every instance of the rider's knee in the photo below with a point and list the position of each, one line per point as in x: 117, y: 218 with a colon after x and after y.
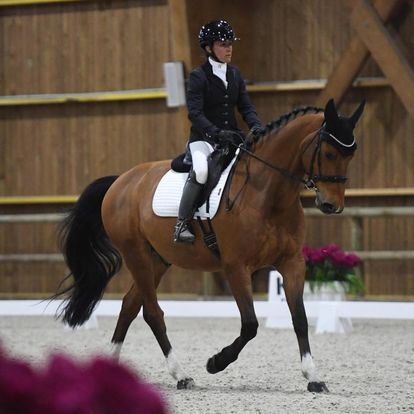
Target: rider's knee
x: 201, y: 176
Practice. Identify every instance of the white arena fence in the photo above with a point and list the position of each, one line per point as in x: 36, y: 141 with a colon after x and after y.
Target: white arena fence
x: 329, y: 316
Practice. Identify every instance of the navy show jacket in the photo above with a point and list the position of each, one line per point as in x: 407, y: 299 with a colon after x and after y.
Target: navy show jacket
x: 211, y: 106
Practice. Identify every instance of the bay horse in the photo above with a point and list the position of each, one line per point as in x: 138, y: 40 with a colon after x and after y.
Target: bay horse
x: 113, y: 220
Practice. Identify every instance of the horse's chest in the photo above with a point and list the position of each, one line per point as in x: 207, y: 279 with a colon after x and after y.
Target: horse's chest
x: 276, y: 241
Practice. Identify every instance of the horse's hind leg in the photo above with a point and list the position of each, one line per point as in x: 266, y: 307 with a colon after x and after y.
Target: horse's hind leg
x: 131, y: 306
x: 240, y: 284
x: 293, y: 281
x: 139, y: 261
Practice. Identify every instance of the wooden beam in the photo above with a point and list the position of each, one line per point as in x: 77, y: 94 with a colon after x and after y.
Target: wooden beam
x: 352, y: 59
x: 62, y: 98
x: 8, y: 3
x: 70, y: 199
x: 371, y: 192
x: 355, y: 212
x: 312, y: 84
x: 27, y: 200
x: 180, y: 40
x: 159, y: 93
x: 385, y: 52
x: 181, y: 51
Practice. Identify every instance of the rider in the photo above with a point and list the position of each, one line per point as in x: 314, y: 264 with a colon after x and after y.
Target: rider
x: 213, y: 91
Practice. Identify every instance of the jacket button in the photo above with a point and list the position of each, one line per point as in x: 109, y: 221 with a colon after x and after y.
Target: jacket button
x: 226, y: 122
x: 226, y: 105
x: 226, y: 96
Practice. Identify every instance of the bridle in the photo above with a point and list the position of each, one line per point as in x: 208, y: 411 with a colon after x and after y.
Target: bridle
x: 312, y: 178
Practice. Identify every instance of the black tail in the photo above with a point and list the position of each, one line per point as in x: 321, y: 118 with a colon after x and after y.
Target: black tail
x: 89, y: 254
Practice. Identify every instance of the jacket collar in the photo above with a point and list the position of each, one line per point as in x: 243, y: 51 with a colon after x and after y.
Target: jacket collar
x: 216, y: 80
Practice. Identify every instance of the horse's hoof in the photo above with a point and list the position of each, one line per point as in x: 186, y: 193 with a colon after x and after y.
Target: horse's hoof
x: 185, y: 384
x: 317, y: 387
x: 211, y: 365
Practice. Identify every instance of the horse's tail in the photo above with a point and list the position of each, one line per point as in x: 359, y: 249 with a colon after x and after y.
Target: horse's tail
x: 90, y: 256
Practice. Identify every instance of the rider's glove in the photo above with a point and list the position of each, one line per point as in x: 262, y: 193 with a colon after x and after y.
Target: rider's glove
x: 225, y: 136
x: 257, y: 130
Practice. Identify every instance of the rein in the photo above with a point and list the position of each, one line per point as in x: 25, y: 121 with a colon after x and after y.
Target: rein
x: 312, y: 179
x: 284, y: 172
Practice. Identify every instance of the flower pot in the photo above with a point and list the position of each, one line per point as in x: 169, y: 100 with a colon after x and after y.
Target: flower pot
x: 329, y: 291
x: 325, y: 291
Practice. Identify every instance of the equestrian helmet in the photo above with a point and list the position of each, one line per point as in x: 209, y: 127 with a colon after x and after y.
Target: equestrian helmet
x: 216, y: 30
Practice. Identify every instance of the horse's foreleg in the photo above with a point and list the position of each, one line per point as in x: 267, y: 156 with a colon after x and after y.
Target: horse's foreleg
x: 293, y: 282
x: 240, y: 284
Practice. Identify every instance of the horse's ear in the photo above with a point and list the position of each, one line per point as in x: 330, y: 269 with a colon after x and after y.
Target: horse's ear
x: 330, y: 112
x: 358, y: 112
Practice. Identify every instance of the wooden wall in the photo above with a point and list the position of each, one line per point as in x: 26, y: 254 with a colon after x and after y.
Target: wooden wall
x: 84, y: 46
x: 118, y: 45
x: 95, y: 46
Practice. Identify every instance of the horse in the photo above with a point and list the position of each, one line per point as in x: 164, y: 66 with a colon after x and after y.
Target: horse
x: 113, y: 222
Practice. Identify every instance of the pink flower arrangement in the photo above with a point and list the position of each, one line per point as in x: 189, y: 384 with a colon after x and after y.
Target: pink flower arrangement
x: 64, y: 386
x: 330, y: 263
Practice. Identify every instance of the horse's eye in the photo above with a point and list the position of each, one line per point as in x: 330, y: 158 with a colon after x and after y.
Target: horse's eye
x: 330, y: 156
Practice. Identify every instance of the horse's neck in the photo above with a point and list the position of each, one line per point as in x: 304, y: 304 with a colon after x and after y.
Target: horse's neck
x: 283, y: 149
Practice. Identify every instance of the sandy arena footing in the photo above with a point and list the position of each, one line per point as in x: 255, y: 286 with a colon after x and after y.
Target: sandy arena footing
x: 370, y: 370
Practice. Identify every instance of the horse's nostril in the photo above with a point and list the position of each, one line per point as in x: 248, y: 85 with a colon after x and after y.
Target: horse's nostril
x: 328, y: 208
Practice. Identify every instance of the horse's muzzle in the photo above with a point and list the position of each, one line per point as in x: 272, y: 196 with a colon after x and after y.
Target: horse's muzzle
x: 327, y: 207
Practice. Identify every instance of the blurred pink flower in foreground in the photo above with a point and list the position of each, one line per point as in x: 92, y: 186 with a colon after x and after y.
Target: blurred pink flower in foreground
x: 101, y: 386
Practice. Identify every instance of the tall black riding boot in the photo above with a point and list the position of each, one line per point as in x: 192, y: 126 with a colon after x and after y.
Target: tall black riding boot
x: 192, y: 189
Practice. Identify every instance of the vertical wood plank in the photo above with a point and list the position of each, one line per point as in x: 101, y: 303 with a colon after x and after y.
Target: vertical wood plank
x: 352, y: 59
x: 181, y: 51
x: 385, y: 51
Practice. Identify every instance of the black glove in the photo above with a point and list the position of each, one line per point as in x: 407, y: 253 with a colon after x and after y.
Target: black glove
x: 257, y: 130
x: 225, y: 136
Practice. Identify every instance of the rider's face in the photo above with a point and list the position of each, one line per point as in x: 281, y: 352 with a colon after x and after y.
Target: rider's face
x: 223, y: 50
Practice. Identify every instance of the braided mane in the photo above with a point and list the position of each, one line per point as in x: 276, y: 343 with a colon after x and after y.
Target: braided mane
x: 284, y: 119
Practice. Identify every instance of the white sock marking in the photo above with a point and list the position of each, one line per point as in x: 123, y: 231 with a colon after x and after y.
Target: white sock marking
x: 174, y: 367
x: 309, y: 369
x: 116, y: 349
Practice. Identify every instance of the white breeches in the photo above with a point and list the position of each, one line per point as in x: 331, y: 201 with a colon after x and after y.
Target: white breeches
x: 200, y: 150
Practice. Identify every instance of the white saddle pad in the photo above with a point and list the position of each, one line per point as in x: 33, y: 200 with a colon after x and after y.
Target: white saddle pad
x: 168, y: 194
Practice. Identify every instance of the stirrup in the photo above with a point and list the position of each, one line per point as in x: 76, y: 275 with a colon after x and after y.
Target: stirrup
x: 182, y: 233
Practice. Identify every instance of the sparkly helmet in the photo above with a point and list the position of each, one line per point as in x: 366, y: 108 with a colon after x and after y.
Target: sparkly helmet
x: 217, y: 30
